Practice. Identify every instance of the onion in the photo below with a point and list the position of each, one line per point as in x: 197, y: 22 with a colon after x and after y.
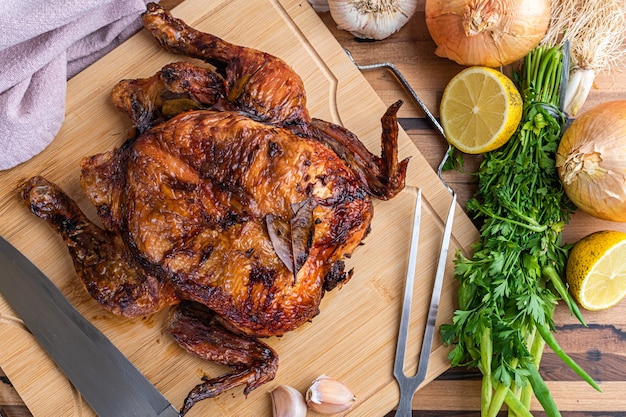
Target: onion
x: 591, y: 161
x: 490, y: 33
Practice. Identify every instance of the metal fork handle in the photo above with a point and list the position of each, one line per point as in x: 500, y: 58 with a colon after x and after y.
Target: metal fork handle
x: 408, y: 385
x: 417, y: 99
x: 405, y: 84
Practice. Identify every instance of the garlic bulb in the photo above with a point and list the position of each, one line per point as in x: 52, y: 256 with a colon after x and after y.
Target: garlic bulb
x: 372, y: 19
x: 320, y: 6
x: 287, y: 402
x: 329, y: 396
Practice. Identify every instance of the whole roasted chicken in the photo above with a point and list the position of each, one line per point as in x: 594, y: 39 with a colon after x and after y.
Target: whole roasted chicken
x: 228, y: 202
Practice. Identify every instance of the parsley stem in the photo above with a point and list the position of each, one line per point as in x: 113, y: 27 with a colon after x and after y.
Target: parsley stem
x: 536, y: 352
x: 531, y: 225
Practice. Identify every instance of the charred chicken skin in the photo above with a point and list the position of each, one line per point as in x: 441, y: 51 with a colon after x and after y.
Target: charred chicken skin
x: 228, y: 204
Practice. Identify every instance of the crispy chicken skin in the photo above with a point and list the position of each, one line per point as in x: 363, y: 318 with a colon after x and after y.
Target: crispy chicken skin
x: 197, y: 197
x: 109, y: 271
x: 227, y: 203
x: 261, y: 85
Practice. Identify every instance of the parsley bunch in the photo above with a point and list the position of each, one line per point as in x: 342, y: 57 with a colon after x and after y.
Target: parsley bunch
x: 510, y: 285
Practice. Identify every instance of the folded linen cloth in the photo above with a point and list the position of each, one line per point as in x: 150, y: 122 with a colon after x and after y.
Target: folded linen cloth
x: 42, y: 45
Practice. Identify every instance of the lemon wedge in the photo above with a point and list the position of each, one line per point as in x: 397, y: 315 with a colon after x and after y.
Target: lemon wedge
x: 596, y: 270
x: 480, y: 110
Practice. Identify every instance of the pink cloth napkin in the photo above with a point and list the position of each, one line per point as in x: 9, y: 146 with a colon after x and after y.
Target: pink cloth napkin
x: 43, y: 43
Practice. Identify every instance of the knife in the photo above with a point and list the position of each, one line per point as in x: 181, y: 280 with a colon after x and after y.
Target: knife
x: 107, y: 380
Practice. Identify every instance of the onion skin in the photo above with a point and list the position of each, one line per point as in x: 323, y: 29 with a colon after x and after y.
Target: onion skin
x: 591, y: 161
x: 490, y: 33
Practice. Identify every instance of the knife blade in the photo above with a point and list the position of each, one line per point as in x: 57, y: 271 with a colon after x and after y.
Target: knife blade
x: 107, y: 380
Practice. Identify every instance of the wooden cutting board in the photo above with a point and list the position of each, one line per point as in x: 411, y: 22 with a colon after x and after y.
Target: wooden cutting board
x: 352, y: 339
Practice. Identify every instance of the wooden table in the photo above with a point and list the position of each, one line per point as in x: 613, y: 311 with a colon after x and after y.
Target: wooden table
x: 600, y: 348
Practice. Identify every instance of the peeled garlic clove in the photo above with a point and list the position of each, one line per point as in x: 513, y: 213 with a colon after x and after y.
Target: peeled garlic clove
x: 287, y: 402
x: 373, y: 19
x: 329, y: 396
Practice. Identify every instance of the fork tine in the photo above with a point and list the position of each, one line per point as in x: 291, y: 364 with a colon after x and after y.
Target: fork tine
x: 398, y: 367
x: 408, y: 289
x: 427, y: 341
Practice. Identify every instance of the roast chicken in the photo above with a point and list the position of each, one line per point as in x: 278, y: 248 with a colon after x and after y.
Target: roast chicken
x: 227, y: 203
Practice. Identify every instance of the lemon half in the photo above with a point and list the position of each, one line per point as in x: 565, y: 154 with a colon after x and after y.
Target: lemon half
x: 480, y: 110
x: 596, y: 270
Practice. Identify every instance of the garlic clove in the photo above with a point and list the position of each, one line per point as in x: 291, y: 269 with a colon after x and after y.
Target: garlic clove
x: 329, y: 396
x: 287, y: 402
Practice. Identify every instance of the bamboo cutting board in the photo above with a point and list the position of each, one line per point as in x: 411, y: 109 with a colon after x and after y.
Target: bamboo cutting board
x: 352, y: 339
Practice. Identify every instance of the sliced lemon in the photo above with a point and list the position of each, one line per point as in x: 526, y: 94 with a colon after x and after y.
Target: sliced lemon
x: 480, y: 110
x: 596, y: 270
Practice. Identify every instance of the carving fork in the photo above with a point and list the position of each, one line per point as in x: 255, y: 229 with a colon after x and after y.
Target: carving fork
x: 408, y: 385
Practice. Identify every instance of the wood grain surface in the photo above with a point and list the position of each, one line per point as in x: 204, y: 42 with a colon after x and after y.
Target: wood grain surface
x: 600, y: 348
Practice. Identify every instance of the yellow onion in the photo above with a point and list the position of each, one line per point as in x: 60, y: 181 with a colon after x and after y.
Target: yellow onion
x: 591, y: 161
x: 490, y: 33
